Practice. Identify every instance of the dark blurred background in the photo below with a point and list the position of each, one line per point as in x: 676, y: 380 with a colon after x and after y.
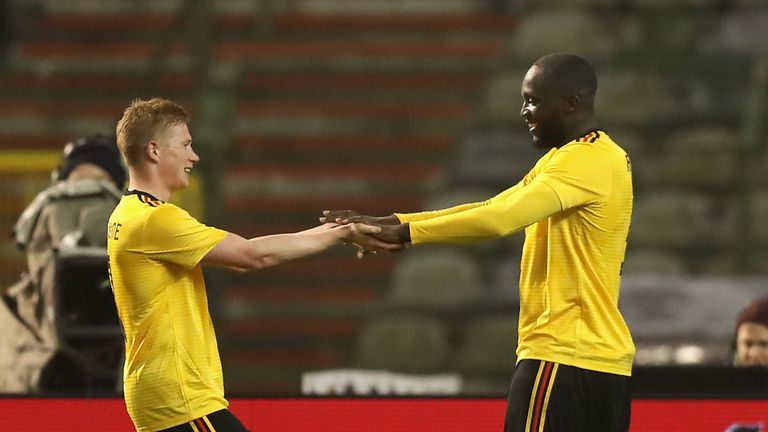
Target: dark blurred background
x: 397, y: 105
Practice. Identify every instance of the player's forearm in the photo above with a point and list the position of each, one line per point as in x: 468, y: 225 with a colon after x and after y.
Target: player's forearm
x: 500, y: 218
x: 272, y: 250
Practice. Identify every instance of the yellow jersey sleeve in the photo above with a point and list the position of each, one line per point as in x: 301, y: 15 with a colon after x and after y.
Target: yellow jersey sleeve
x: 505, y: 214
x: 172, y: 235
x: 572, y: 174
x: 415, y: 217
x: 426, y: 215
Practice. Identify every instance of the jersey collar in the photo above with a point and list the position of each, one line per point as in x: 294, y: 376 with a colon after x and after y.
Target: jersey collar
x: 145, y: 197
x: 591, y: 136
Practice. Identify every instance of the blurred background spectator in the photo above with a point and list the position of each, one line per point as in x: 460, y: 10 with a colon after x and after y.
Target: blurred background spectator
x: 752, y: 334
x: 302, y: 105
x: 65, y: 284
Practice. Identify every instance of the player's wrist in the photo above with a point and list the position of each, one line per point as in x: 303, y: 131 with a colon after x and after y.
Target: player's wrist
x: 404, y: 233
x: 388, y: 220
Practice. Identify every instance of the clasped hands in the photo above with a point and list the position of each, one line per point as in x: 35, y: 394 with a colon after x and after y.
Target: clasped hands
x: 371, y: 234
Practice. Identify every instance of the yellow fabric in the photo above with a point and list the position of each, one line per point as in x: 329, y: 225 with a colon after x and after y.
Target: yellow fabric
x: 172, y: 371
x: 572, y: 258
x: 497, y: 217
x: 421, y: 216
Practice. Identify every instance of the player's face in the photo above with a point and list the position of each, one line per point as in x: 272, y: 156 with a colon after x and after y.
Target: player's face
x: 752, y: 345
x: 176, y: 156
x: 543, y: 110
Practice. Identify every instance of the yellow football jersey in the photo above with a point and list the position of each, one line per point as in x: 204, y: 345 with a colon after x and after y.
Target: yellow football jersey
x: 571, y: 261
x: 172, y: 370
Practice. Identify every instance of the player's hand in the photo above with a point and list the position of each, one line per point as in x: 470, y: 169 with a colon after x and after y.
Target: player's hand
x: 398, y: 234
x: 366, y: 239
x: 390, y: 235
x: 351, y: 216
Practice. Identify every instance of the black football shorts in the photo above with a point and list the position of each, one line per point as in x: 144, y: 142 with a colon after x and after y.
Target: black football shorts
x: 548, y: 397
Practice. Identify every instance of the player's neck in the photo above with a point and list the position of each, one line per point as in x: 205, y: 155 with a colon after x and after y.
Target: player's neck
x: 149, y: 184
x: 584, y: 127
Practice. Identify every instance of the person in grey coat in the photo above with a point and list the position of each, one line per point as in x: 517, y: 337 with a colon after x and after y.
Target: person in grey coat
x: 71, y: 214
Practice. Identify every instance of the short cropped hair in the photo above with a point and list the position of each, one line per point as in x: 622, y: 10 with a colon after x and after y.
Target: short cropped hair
x: 569, y: 73
x: 142, y: 122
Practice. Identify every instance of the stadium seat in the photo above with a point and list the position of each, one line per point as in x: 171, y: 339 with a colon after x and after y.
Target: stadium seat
x: 486, y: 355
x: 577, y: 31
x: 506, y: 278
x: 413, y: 344
x: 438, y: 277
x: 646, y: 161
x: 758, y: 175
x: 496, y: 158
x: 758, y: 215
x: 651, y: 98
x: 631, y: 139
x: 501, y: 100
x: 680, y: 220
x: 742, y: 31
x: 652, y: 262
x: 761, y: 263
x: 701, y: 157
x: 488, y: 345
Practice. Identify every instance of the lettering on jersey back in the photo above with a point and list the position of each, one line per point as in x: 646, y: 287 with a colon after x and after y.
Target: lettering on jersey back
x: 113, y: 230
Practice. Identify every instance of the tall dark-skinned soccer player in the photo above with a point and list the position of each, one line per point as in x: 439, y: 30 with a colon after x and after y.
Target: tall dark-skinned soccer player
x: 575, y: 352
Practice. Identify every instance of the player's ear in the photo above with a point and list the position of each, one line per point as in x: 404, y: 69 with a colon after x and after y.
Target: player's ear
x: 572, y: 103
x: 151, y: 151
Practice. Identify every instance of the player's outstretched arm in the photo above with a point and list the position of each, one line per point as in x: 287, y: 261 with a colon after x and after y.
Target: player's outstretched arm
x: 238, y: 253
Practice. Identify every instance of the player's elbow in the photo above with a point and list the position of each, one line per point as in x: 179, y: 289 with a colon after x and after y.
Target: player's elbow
x: 254, y: 261
x: 252, y: 264
x: 238, y: 269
